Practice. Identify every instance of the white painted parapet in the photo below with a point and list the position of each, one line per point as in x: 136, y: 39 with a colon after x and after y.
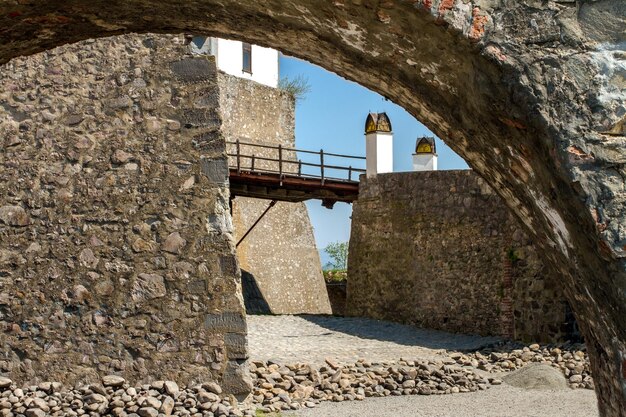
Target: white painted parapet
x: 378, y: 144
x: 425, y: 156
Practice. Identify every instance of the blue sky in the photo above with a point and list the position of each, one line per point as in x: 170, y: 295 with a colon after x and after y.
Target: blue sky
x: 332, y: 117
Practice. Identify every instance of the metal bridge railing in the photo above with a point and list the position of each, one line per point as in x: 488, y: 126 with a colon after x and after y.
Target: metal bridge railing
x: 283, y: 161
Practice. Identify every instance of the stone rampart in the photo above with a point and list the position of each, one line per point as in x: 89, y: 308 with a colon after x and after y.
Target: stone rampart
x: 280, y: 254
x: 116, y: 247
x: 440, y: 249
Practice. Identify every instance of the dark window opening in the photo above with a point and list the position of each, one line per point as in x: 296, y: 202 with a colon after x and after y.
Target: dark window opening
x: 199, y: 41
x: 247, y: 58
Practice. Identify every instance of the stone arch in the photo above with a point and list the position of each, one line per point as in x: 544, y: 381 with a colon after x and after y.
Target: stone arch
x: 529, y: 93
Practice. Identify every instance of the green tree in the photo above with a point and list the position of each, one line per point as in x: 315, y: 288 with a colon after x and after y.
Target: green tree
x: 338, y: 252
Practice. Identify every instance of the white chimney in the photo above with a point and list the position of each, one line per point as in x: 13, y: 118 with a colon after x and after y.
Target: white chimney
x: 378, y: 144
x: 425, y: 156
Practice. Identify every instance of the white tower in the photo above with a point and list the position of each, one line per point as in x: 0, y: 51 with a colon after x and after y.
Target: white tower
x: 239, y: 58
x: 425, y: 156
x: 378, y: 144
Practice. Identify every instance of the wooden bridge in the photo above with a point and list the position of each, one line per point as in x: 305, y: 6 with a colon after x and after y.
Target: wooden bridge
x: 276, y: 173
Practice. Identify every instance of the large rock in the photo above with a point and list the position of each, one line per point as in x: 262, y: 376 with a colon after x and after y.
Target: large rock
x: 537, y: 376
x: 236, y: 379
x: 5, y: 382
x: 113, y: 381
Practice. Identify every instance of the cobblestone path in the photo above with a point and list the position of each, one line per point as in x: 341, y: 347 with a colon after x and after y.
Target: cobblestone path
x: 312, y: 339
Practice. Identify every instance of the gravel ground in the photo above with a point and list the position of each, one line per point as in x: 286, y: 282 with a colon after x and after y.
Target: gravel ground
x: 500, y: 401
x: 312, y: 339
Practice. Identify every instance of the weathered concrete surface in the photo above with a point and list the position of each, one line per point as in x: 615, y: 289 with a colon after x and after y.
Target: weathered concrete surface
x: 116, y: 251
x: 441, y: 250
x: 495, y: 402
x: 280, y: 253
x: 530, y: 93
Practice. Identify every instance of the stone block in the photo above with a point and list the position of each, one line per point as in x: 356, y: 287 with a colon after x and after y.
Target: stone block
x: 194, y: 69
x: 216, y: 170
x: 230, y: 322
x: 236, y: 345
x: 209, y: 143
x: 199, y: 118
x: 237, y: 379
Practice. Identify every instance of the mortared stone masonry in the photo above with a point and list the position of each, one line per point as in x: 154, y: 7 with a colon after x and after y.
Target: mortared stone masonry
x: 439, y: 249
x: 117, y: 253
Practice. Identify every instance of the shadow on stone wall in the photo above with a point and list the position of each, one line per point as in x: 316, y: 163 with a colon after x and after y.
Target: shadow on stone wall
x: 337, y: 297
x: 252, y: 297
x: 571, y: 326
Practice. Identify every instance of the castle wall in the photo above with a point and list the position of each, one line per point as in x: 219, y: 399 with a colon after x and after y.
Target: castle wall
x: 116, y: 246
x: 439, y: 249
x: 280, y: 254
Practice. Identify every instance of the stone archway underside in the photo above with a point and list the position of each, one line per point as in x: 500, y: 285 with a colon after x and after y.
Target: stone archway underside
x: 530, y: 93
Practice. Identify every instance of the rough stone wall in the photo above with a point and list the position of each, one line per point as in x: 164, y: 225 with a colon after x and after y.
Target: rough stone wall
x: 441, y: 250
x: 280, y: 253
x: 116, y: 250
x: 539, y: 309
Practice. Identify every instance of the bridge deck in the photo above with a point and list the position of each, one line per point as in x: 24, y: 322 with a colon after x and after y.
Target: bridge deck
x: 280, y: 177
x: 291, y: 188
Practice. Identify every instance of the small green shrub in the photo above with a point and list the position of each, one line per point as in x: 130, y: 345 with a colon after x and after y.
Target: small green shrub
x: 335, y: 275
x: 512, y: 255
x: 298, y: 87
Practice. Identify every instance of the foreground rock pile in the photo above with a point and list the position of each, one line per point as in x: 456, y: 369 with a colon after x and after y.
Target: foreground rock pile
x: 285, y: 387
x: 291, y: 387
x: 115, y: 397
x: 571, y: 359
x: 277, y: 387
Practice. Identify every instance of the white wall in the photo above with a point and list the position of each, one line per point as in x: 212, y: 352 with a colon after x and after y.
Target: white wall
x: 379, y: 153
x: 264, y: 62
x: 425, y: 162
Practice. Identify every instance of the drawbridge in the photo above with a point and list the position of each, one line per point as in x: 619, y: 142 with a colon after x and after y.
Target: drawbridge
x: 276, y: 173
